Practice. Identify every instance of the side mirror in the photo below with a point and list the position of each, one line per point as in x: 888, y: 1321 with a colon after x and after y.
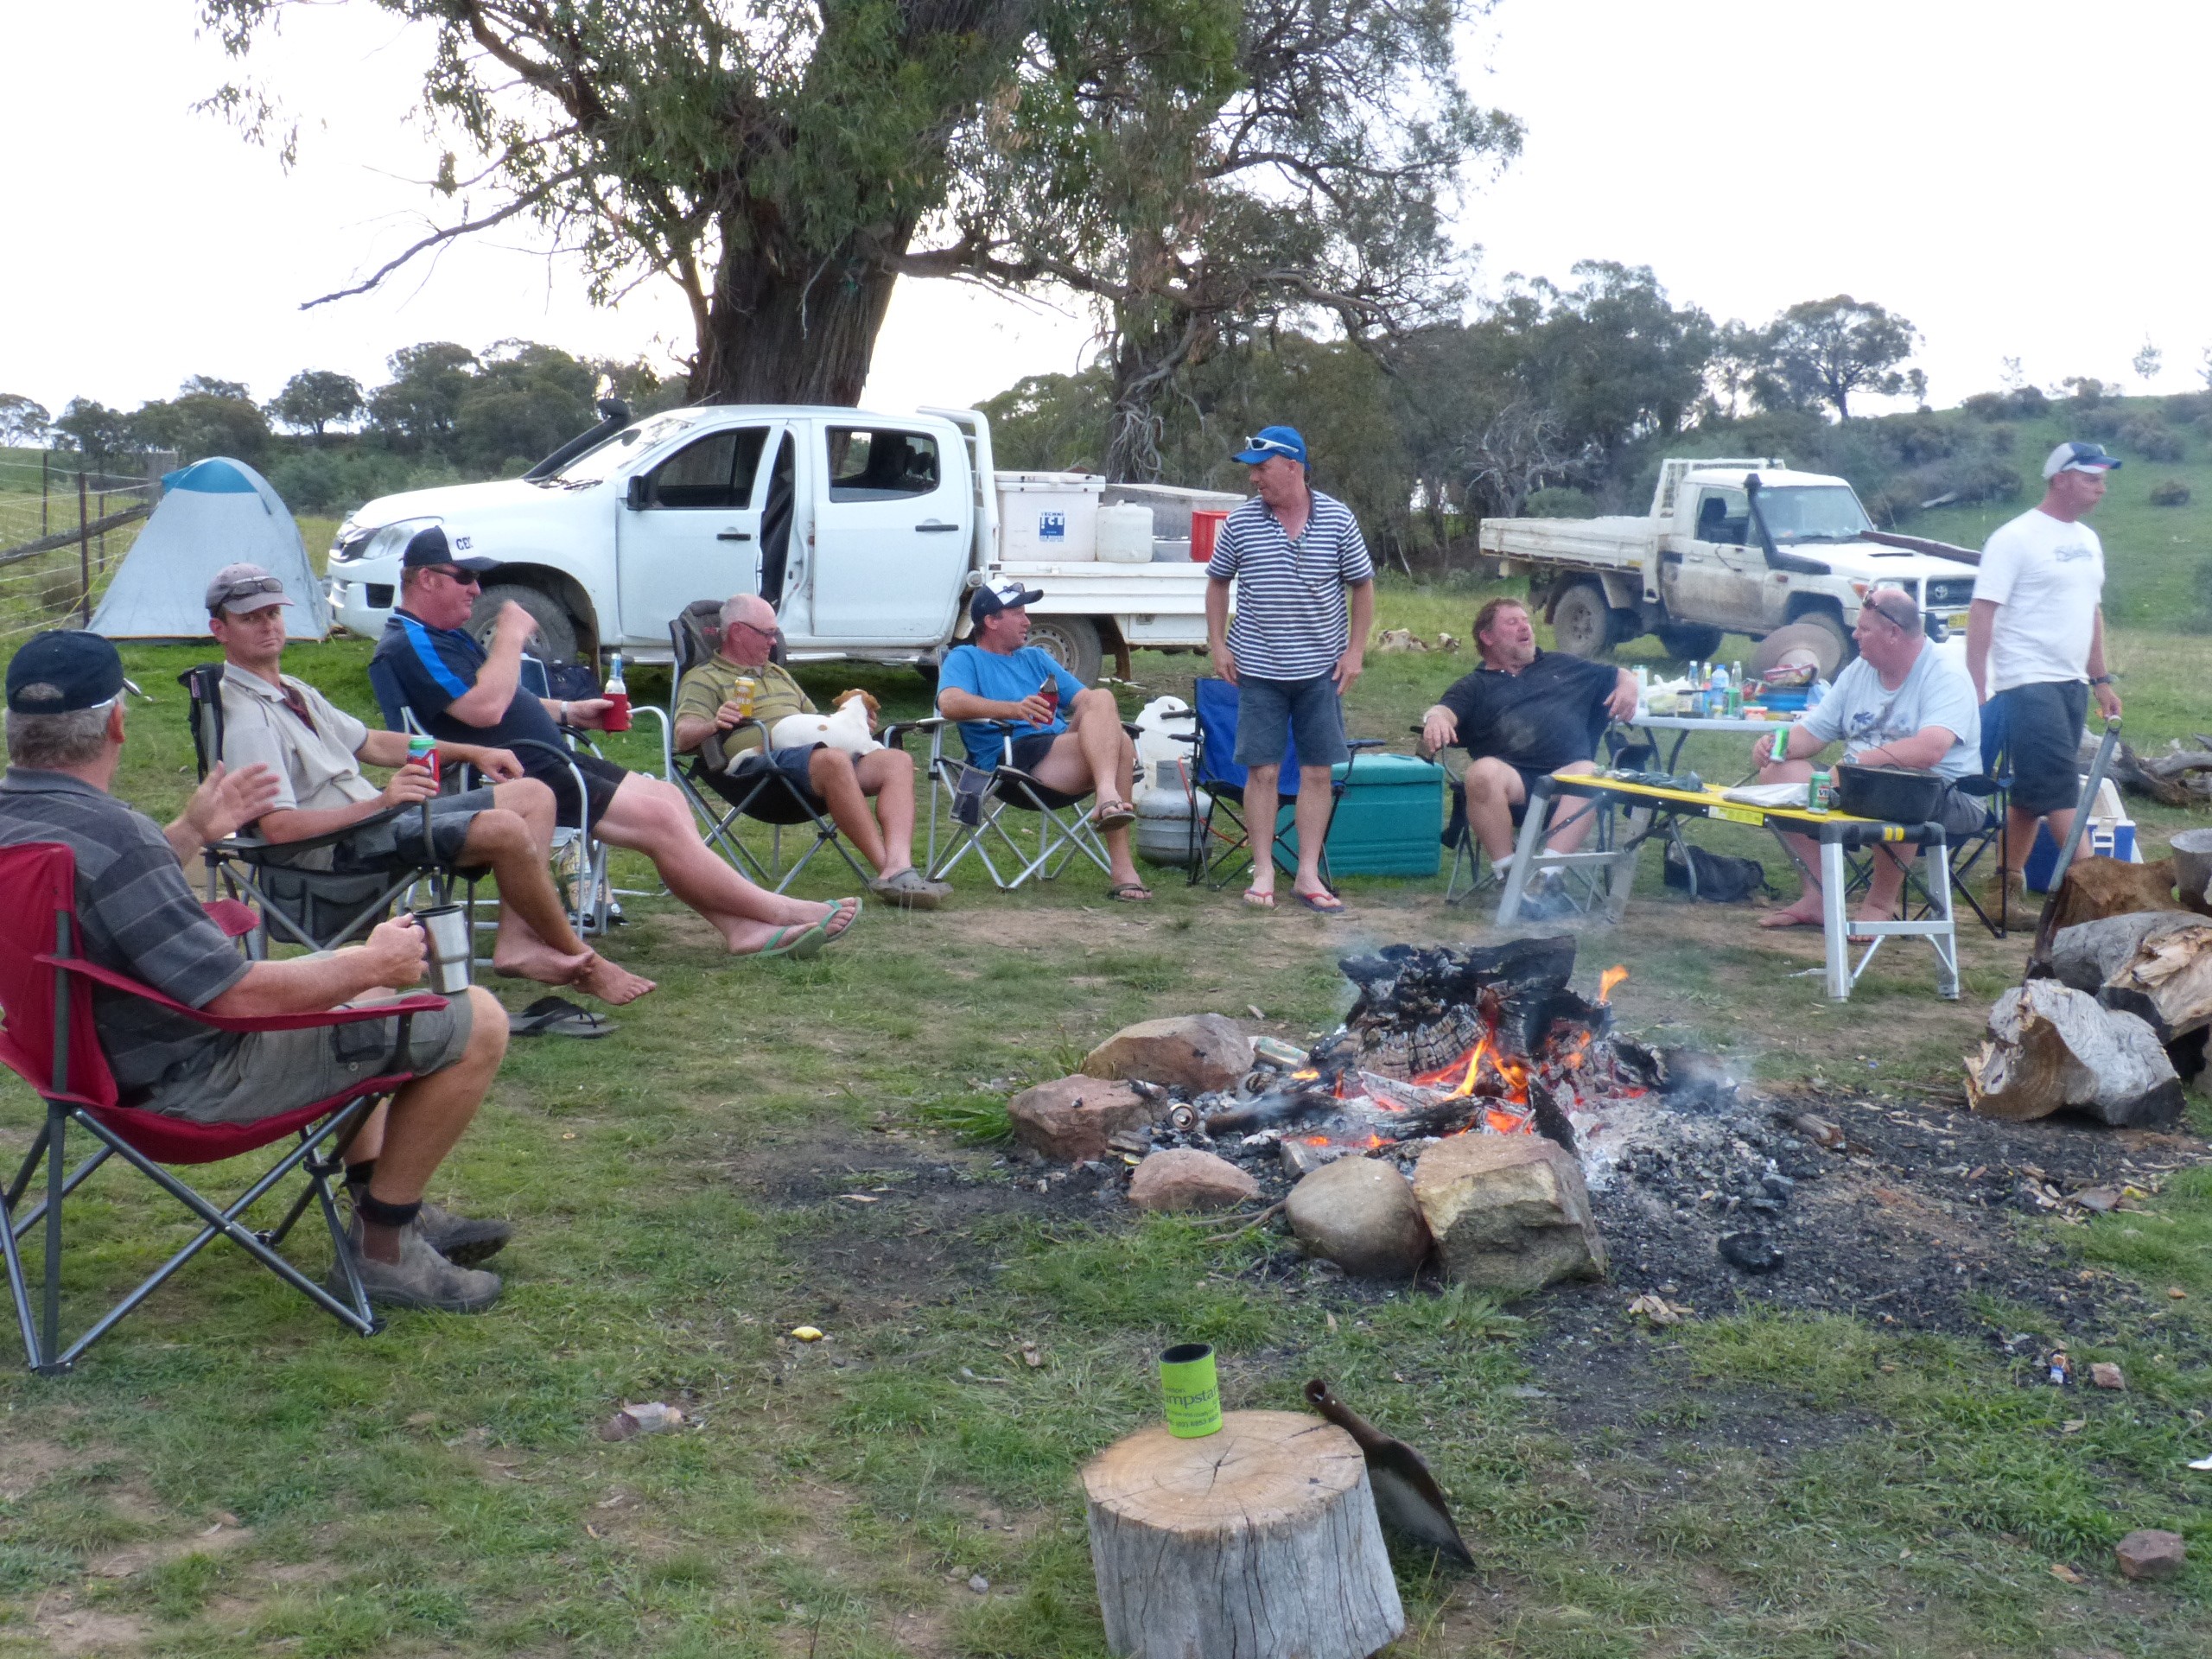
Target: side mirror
x: 640, y: 493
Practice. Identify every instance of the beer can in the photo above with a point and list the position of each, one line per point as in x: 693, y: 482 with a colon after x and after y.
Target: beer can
x: 1816, y: 792
x: 424, y: 751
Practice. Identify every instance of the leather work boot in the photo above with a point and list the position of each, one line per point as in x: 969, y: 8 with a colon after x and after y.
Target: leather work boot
x: 1994, y: 891
x: 461, y: 1240
x: 421, y: 1278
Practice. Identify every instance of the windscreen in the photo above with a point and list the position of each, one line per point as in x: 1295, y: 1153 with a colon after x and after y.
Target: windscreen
x: 596, y: 466
x: 1815, y: 513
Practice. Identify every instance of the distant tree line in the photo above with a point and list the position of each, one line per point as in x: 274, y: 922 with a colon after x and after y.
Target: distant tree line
x: 327, y: 443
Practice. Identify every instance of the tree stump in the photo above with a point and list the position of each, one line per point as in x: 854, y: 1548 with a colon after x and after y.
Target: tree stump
x: 1260, y: 1542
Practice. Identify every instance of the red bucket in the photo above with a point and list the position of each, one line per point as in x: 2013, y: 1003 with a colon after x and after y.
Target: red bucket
x: 1206, y: 524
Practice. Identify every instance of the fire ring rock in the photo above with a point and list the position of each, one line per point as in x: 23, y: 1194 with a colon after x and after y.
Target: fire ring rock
x: 1186, y: 1179
x: 2151, y: 1554
x: 1360, y: 1214
x: 1509, y: 1212
x: 1197, y: 1052
x: 1070, y: 1118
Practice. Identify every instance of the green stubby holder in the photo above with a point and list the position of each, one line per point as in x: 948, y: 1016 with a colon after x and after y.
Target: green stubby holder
x: 1190, y: 1390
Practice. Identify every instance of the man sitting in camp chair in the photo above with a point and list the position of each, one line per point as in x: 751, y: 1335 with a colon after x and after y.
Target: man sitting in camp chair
x: 463, y: 692
x: 136, y: 915
x: 315, y: 750
x: 1523, y: 714
x: 828, y: 779
x: 1066, y: 736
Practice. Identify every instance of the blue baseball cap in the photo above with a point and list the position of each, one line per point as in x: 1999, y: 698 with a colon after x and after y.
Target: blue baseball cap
x: 1268, y: 443
x: 61, y: 671
x: 2079, y: 458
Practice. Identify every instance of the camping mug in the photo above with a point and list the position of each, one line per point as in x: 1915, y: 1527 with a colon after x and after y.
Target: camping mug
x: 446, y: 929
x: 1191, y: 1390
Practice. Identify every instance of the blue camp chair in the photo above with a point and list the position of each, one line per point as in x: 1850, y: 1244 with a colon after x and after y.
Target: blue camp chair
x: 1215, y: 774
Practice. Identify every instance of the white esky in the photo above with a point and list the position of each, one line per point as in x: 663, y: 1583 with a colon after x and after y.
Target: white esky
x: 2017, y: 177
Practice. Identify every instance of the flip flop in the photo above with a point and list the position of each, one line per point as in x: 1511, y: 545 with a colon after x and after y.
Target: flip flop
x: 1112, y: 815
x: 833, y: 929
x: 555, y: 1016
x: 1325, y: 903
x: 1259, y: 900
x: 1130, y: 893
x: 799, y: 944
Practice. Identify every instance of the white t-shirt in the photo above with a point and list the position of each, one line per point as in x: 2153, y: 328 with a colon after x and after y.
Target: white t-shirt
x: 2047, y: 579
x: 1866, y: 715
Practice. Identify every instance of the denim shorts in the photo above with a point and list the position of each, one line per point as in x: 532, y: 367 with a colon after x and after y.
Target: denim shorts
x: 2043, y: 741
x: 1271, y: 714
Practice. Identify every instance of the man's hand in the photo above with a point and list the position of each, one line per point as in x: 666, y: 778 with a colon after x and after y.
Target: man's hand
x: 1225, y: 663
x: 1031, y: 709
x: 590, y: 713
x: 411, y: 784
x: 2107, y: 700
x: 500, y: 765
x: 1622, y: 704
x: 514, y: 623
x: 397, y: 952
x: 1439, y: 729
x: 1349, y: 666
x: 226, y: 800
x: 729, y: 714
x: 1762, y: 747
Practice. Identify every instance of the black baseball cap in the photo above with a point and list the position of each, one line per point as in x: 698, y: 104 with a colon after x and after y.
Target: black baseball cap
x: 72, y: 670
x: 429, y: 547
x: 1007, y: 596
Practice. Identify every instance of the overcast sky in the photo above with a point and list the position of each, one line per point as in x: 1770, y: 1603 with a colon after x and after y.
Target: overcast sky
x: 2018, y: 178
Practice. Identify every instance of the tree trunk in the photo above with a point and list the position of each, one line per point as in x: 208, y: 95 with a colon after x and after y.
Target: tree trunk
x: 783, y: 328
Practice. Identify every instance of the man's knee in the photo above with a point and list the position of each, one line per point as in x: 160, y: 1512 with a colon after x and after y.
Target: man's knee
x: 498, y: 829
x: 1489, y: 778
x: 525, y: 795
x: 488, y: 1029
x: 1263, y: 777
x: 828, y: 767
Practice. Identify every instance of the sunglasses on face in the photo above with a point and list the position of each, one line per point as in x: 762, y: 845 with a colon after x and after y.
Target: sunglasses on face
x: 459, y: 577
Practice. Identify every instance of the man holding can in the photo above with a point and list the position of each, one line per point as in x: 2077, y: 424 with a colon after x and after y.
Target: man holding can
x: 1305, y: 591
x: 316, y: 751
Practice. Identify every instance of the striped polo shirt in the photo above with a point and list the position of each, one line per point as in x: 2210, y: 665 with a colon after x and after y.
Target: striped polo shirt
x: 135, y: 914
x: 1291, y: 621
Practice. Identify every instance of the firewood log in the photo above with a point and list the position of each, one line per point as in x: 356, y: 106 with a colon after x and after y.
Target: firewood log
x: 2156, y: 964
x: 2051, y: 1045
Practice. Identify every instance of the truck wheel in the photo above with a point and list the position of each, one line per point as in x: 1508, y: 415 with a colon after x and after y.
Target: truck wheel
x: 1818, y: 632
x: 1686, y: 642
x: 1582, y: 622
x: 1071, y: 641
x: 555, y: 642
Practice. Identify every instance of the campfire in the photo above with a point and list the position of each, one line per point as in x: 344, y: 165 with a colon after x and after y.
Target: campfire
x: 1444, y: 1042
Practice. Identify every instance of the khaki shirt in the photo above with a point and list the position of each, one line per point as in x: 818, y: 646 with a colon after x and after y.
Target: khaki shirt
x: 312, y: 759
x: 713, y: 682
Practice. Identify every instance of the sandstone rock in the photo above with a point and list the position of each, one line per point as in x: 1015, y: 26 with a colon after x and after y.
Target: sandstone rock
x: 1509, y: 1212
x: 1185, y: 1179
x: 2151, y: 1554
x: 1195, y: 1052
x: 1360, y: 1214
x: 1070, y: 1117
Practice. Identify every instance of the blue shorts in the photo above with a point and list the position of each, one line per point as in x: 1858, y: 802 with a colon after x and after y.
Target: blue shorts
x: 796, y: 763
x: 2043, y: 742
x: 1271, y: 714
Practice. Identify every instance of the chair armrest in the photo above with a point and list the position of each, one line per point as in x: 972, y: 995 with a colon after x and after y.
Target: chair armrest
x: 236, y: 919
x: 420, y: 1002
x: 715, y: 756
x: 893, y: 736
x: 1356, y: 744
x: 257, y: 849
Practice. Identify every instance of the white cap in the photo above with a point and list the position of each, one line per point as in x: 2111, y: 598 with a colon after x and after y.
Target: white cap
x: 2078, y: 458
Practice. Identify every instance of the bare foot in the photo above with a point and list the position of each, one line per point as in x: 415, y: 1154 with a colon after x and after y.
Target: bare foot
x: 538, y: 960
x: 1798, y: 915
x: 610, y: 983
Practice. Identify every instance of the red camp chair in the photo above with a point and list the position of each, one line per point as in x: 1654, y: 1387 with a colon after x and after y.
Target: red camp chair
x: 46, y: 992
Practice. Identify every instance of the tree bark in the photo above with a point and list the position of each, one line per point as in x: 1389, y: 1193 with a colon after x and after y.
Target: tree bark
x: 781, y: 329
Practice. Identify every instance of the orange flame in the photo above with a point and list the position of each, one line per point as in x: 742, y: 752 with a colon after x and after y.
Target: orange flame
x: 1317, y: 1140
x: 1609, y: 980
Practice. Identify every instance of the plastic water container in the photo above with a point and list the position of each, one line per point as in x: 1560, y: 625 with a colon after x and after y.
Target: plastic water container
x: 1124, y: 534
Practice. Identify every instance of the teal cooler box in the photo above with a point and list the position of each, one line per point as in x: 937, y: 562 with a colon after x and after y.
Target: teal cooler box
x: 1387, y: 821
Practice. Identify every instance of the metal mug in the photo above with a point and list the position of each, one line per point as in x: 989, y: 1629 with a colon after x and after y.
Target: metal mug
x: 445, y: 929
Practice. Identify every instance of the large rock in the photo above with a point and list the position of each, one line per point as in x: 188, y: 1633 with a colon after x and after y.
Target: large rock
x: 1183, y: 1178
x: 1070, y: 1118
x: 1360, y: 1214
x: 1193, y: 1052
x: 1509, y: 1212
x: 2151, y: 1554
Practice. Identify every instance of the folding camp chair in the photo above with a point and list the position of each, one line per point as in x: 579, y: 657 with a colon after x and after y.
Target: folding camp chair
x: 761, y: 793
x: 46, y: 992
x: 320, y: 909
x: 980, y: 796
x: 1457, y: 834
x: 1214, y: 773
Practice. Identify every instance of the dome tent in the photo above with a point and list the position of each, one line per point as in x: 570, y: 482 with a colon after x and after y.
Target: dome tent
x: 212, y: 513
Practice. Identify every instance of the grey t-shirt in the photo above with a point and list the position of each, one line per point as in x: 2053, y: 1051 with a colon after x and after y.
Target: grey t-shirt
x: 1866, y: 715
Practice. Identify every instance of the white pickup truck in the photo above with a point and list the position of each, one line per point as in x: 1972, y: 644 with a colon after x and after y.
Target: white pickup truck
x: 1740, y: 546
x: 867, y: 531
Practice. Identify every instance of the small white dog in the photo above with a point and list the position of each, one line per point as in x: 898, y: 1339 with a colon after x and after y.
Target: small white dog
x: 849, y: 727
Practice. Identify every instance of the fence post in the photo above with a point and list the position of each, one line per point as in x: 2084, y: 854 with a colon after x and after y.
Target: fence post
x: 84, y: 556
x: 45, y: 466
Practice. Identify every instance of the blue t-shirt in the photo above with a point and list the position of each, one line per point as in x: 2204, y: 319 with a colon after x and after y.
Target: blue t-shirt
x: 1004, y: 677
x: 433, y: 666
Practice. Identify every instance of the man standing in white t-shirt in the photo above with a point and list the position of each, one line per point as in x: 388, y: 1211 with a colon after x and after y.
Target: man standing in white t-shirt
x: 2036, y: 647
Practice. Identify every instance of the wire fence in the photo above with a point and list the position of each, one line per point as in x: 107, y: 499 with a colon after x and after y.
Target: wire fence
x: 64, y: 528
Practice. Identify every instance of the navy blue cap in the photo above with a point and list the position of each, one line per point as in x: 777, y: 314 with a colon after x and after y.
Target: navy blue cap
x: 428, y: 547
x: 1007, y: 596
x: 1268, y: 443
x: 2079, y: 458
x: 73, y: 670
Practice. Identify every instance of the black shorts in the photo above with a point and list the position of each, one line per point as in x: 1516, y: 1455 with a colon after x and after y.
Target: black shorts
x: 1030, y: 748
x: 2043, y: 742
x: 601, y: 779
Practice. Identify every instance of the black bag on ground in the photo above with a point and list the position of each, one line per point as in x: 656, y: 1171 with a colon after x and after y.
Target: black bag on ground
x: 1721, y: 880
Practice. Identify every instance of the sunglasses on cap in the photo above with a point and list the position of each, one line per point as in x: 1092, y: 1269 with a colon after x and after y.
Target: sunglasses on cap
x: 1272, y: 445
x: 247, y: 587
x: 1895, y: 606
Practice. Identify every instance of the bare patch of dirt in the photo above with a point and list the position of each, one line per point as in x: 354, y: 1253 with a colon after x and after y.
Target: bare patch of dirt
x: 68, y: 1629
x: 223, y: 1535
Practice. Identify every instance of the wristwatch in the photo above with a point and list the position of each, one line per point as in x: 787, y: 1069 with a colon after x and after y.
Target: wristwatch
x: 2100, y: 679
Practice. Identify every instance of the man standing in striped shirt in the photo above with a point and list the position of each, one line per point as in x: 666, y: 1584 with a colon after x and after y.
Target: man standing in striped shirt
x: 1304, y: 600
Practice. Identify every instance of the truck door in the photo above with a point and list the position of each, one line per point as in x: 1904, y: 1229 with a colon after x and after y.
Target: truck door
x: 691, y: 529
x: 891, y: 535
x: 1713, y: 575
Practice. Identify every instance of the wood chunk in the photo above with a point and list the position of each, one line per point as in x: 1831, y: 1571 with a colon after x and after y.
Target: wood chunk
x: 2098, y: 888
x: 2051, y: 1045
x: 2156, y: 964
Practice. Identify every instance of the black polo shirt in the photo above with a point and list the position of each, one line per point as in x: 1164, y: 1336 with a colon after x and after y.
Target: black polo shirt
x: 433, y: 666
x: 1550, y: 714
x: 136, y: 915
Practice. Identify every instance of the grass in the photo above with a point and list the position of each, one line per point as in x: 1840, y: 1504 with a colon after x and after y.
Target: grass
x: 1761, y: 1487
